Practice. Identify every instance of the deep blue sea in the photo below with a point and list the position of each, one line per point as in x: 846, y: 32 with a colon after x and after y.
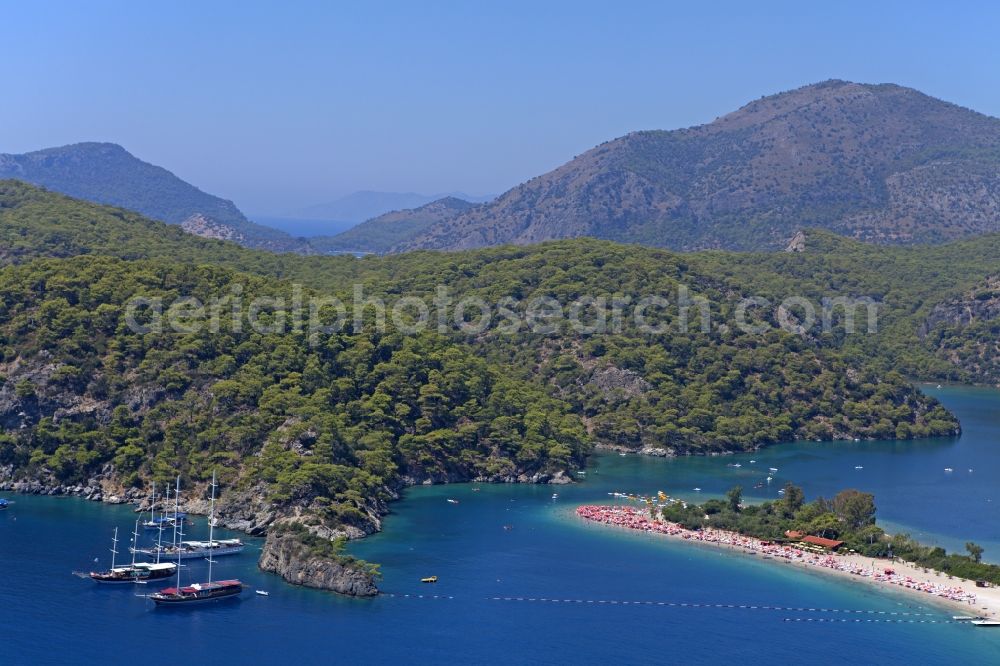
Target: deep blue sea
x: 53, y: 617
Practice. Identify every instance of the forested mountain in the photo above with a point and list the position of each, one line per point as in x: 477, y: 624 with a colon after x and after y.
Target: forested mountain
x: 880, y: 163
x: 106, y: 173
x: 321, y: 428
x: 381, y: 233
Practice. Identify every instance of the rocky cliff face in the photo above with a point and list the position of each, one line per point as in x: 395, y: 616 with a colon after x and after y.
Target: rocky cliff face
x: 285, y: 555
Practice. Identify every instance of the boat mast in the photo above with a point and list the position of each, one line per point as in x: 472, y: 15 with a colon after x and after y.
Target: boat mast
x: 114, y: 548
x: 177, y: 544
x: 177, y: 494
x: 135, y: 543
x: 211, y: 528
x: 152, y: 506
x: 159, y: 526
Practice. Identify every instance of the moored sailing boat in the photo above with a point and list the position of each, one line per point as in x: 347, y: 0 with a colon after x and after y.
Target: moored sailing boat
x: 189, y: 550
x: 136, y: 572
x: 199, y: 592
x: 163, y: 521
x: 186, y: 550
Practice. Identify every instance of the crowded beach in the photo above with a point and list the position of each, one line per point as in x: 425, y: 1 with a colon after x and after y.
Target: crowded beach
x: 903, y: 576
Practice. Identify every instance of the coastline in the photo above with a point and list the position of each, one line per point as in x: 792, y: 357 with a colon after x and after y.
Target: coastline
x: 931, y: 587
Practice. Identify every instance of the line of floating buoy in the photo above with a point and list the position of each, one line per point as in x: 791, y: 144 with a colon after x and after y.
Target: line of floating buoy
x: 414, y: 596
x: 876, y: 616
x: 681, y: 604
x: 863, y: 620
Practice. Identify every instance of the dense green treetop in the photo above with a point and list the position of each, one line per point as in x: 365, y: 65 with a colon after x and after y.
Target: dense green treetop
x: 361, y: 411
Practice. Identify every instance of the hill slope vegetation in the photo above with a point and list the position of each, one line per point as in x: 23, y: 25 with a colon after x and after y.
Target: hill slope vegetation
x: 321, y: 428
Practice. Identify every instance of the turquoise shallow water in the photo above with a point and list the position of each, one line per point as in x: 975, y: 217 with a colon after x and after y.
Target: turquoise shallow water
x: 53, y: 617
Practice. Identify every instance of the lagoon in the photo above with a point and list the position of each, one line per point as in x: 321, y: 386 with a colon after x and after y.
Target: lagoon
x: 544, y: 553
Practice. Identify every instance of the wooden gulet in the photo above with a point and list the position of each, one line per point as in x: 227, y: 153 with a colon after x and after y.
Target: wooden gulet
x: 200, y: 592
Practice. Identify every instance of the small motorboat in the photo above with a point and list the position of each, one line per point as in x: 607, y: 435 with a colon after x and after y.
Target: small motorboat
x: 948, y: 469
x: 429, y: 579
x: 858, y: 467
x: 773, y: 469
x: 555, y: 495
x: 986, y: 623
x: 263, y: 593
x: 452, y: 501
x: 697, y: 490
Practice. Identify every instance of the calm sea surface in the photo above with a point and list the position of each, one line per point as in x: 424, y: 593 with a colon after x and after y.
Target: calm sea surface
x: 51, y: 616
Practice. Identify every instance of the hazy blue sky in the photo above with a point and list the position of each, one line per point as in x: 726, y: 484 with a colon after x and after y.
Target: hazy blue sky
x: 281, y: 105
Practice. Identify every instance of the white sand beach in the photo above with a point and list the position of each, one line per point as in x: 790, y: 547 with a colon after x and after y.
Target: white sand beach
x: 960, y: 596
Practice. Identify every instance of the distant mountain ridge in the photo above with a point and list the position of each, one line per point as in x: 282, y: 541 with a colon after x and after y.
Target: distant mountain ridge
x: 365, y: 205
x: 108, y: 174
x: 880, y: 163
x: 381, y: 233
